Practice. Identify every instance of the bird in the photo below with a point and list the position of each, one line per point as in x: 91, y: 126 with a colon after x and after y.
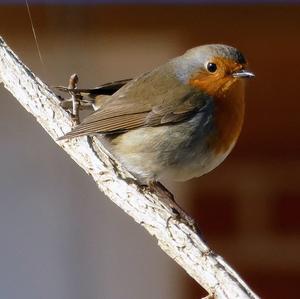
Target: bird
x: 176, y: 122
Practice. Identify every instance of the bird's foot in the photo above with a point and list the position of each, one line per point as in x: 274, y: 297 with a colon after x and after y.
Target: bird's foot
x: 178, y: 213
x: 162, y: 190
x: 181, y: 216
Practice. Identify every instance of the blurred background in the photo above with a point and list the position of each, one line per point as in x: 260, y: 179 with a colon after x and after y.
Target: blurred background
x: 61, y: 238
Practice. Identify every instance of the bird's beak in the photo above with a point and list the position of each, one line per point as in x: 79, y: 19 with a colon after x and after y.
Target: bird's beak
x: 242, y: 74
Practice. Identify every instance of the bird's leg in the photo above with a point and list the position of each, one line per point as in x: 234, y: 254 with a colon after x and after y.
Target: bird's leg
x: 158, y: 186
x: 167, y: 197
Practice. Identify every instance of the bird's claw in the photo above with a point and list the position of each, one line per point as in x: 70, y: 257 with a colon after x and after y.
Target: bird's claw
x: 178, y: 214
x: 182, y: 217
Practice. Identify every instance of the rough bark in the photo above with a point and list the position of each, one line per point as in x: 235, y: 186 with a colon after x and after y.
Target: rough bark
x: 173, y: 235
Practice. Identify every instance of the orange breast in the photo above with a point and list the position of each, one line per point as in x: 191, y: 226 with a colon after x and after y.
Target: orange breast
x: 229, y: 116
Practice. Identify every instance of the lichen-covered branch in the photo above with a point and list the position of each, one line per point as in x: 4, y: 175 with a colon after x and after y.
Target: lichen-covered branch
x: 174, y: 236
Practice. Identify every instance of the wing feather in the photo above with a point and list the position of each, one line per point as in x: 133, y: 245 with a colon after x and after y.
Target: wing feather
x: 150, y: 100
x: 107, y: 126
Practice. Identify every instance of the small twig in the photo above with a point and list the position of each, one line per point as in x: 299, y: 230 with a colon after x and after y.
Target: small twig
x: 147, y: 208
x: 75, y: 101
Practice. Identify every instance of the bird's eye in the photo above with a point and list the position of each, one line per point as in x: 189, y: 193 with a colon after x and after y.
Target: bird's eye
x: 211, y: 67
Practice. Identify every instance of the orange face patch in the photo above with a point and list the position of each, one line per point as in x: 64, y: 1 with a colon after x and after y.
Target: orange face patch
x: 217, y: 83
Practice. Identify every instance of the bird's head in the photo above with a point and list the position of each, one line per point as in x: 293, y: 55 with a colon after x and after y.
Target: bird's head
x: 213, y: 69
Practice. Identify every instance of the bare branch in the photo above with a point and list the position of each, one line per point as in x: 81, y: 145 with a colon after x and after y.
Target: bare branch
x: 174, y: 236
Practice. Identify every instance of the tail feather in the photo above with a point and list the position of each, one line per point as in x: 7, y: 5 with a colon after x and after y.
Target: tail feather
x: 78, y: 131
x: 70, y: 135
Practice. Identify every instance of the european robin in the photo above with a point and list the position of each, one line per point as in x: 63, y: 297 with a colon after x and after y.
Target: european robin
x: 179, y: 121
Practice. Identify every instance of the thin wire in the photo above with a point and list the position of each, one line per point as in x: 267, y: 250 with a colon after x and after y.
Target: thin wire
x: 34, y: 35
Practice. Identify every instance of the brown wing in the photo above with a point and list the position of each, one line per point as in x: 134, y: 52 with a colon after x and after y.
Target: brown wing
x: 149, y: 100
x: 118, y: 119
